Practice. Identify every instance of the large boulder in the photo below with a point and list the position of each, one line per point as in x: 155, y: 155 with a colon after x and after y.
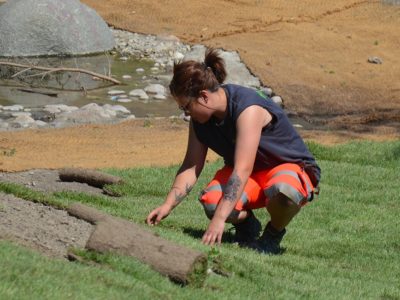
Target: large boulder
x: 51, y: 27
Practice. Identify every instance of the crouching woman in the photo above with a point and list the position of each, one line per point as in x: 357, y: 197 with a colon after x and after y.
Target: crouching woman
x: 267, y: 163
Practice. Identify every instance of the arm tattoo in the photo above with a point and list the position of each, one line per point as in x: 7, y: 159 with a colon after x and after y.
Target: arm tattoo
x: 180, y: 196
x: 232, y: 188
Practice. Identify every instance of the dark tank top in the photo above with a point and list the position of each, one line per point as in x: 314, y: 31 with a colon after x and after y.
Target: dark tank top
x: 279, y: 142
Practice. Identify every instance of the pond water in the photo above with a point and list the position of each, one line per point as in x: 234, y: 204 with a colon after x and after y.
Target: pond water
x: 77, y: 89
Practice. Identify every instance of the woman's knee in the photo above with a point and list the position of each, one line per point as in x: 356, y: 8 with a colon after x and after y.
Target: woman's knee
x: 210, y: 203
x: 285, y: 201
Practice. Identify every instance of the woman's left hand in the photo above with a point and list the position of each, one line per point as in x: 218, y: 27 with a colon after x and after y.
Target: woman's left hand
x: 214, y: 232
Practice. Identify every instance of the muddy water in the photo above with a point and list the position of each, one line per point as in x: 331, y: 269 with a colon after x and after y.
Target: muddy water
x: 77, y: 89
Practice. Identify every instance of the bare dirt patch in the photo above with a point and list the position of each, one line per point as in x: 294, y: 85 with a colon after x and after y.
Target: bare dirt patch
x: 46, y: 229
x: 124, y: 145
x: 47, y: 181
x: 136, y: 143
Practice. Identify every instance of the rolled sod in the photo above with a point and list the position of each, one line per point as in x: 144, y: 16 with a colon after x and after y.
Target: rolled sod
x: 181, y: 264
x: 91, y: 177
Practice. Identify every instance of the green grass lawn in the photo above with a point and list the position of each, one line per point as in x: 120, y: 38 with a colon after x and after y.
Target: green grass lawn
x: 345, y: 245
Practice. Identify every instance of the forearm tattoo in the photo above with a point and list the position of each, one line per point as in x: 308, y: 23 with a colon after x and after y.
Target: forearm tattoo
x: 232, y: 187
x: 180, y: 196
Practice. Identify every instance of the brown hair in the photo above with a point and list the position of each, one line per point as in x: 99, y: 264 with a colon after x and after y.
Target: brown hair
x: 191, y: 77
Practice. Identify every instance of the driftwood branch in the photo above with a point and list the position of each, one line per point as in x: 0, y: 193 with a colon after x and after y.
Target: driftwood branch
x: 12, y: 84
x: 53, y: 70
x: 38, y: 92
x: 20, y: 72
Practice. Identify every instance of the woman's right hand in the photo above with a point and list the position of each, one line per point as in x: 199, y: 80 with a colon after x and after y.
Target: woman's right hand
x: 157, y: 214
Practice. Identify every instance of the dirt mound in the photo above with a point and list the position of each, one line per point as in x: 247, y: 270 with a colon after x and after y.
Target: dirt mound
x: 49, y: 230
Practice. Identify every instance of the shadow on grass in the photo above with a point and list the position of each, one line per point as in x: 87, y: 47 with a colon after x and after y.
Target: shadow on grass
x: 228, y: 236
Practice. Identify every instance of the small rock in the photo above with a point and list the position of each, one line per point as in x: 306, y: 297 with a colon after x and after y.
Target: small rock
x: 155, y: 88
x: 154, y: 69
x: 40, y: 123
x: 126, y: 77
x: 52, y: 109
x: 139, y: 93
x: 185, y: 117
x: 13, y: 108
x: 375, y: 60
x: 178, y: 56
x: 117, y: 108
x: 123, y: 58
x: 267, y: 91
x: 17, y: 114
x: 90, y: 106
x: 139, y: 70
x: 57, y: 108
x: 124, y: 100
x: 115, y: 92
x: 130, y: 117
x: 297, y: 126
x: 22, y: 121
x: 159, y: 97
x: 278, y: 100
x: 90, y: 113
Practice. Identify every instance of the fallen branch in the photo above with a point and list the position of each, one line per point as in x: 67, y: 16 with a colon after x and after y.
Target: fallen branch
x: 52, y: 70
x: 10, y: 83
x: 39, y: 92
x: 20, y: 72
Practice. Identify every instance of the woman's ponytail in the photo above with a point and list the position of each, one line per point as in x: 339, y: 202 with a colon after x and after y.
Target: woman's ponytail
x: 191, y: 77
x: 216, y: 63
